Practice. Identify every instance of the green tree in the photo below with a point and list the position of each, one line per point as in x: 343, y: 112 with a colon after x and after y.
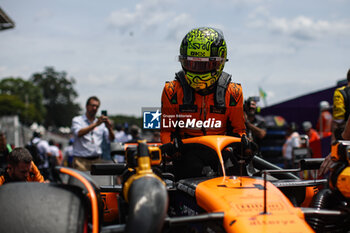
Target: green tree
x: 11, y: 105
x: 24, y: 99
x: 59, y: 95
x: 131, y: 120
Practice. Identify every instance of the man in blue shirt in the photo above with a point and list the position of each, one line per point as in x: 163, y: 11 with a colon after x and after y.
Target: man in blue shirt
x: 89, y: 132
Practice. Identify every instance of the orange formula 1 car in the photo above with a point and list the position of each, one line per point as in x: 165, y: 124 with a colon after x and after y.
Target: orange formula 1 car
x: 151, y: 199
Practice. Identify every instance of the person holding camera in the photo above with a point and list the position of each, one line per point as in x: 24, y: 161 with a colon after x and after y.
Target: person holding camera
x: 255, y: 124
x: 89, y: 132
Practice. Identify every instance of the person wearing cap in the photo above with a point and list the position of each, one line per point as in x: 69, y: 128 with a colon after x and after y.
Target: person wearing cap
x: 324, y: 123
x: 310, y: 132
x: 314, y: 139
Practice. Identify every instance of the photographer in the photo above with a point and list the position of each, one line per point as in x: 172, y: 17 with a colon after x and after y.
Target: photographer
x: 255, y: 124
x: 89, y: 132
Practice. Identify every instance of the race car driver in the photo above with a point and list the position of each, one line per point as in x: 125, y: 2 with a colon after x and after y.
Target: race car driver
x: 201, y: 100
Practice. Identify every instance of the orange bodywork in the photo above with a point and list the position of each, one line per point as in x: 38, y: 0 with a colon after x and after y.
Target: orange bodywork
x: 242, y: 199
x: 215, y: 142
x: 110, y: 206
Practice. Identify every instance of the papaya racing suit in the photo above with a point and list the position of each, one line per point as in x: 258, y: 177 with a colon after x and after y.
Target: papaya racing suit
x: 186, y: 113
x: 203, y: 115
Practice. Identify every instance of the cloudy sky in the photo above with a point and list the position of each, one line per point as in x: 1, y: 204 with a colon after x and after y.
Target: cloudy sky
x: 124, y: 51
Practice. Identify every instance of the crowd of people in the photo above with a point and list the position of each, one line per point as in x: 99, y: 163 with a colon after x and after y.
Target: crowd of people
x: 201, y: 90
x: 40, y: 156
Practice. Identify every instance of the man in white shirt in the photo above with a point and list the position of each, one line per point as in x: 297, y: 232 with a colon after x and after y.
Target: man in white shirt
x: 89, y: 131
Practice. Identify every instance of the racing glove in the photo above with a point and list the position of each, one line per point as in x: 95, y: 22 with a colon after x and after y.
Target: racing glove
x: 249, y: 148
x: 173, y: 149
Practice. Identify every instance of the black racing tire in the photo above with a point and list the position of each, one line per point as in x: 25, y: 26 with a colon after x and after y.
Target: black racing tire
x: 41, y: 208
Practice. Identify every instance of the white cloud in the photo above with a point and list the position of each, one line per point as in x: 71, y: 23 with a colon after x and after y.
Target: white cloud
x: 3, y: 69
x: 178, y: 26
x: 300, y: 27
x: 239, y: 2
x: 43, y: 14
x: 127, y: 67
x: 146, y: 15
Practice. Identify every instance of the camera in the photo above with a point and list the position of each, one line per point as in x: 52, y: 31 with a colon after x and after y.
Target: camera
x: 104, y: 112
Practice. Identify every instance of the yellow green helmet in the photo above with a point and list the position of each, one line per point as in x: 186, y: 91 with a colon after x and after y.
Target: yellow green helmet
x: 203, y: 55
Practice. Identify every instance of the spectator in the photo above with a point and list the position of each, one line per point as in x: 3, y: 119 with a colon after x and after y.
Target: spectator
x: 20, y: 168
x: 68, y: 154
x: 60, y: 153
x: 314, y: 140
x: 89, y: 131
x: 135, y: 133
x: 255, y: 124
x: 55, y: 154
x: 324, y: 123
x: 41, y: 155
x: 155, y: 136
x: 5, y: 150
x: 292, y: 141
x: 54, y: 160
x: 121, y: 134
x: 310, y: 132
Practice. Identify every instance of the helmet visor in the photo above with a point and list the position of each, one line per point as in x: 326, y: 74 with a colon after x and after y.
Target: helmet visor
x: 201, y: 64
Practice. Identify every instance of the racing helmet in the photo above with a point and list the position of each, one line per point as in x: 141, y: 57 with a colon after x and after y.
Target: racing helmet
x: 203, y: 55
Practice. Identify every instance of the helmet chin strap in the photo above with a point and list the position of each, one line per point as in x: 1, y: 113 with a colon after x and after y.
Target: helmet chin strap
x: 208, y: 90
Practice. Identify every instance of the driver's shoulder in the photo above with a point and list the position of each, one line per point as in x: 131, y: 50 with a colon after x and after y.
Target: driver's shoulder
x: 172, y: 87
x: 234, y: 90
